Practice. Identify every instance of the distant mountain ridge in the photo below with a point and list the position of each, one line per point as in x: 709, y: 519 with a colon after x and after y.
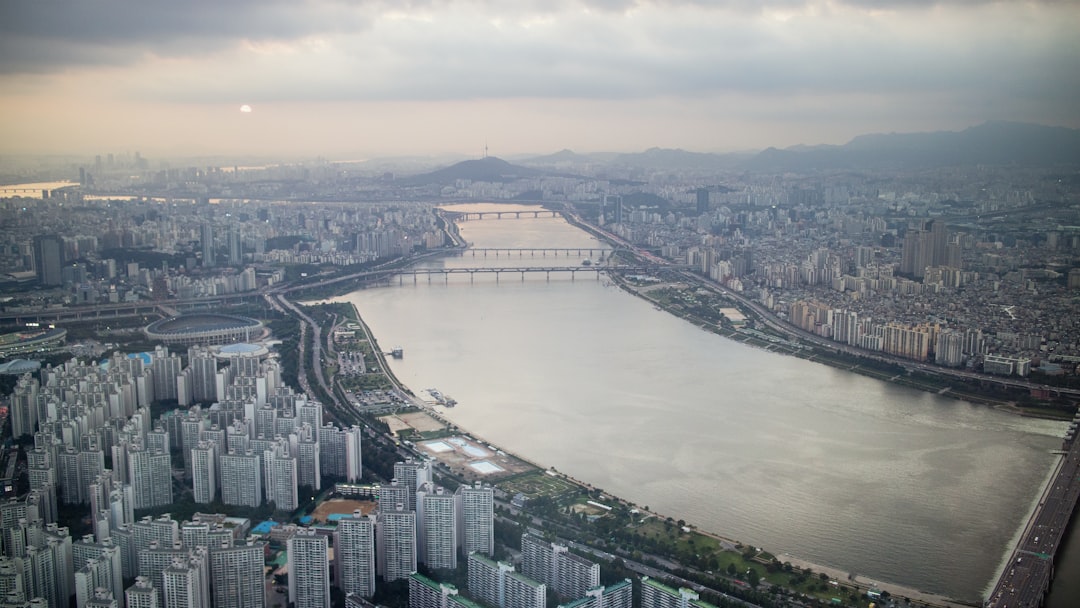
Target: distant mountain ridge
x: 487, y: 169
x: 991, y: 143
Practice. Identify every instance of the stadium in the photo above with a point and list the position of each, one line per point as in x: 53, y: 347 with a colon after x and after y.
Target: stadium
x: 205, y: 328
x: 31, y: 339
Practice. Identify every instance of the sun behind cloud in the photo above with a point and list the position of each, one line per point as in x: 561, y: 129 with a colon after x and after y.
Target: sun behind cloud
x: 246, y: 109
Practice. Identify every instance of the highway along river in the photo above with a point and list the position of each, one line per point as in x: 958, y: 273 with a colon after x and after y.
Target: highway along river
x: 774, y: 451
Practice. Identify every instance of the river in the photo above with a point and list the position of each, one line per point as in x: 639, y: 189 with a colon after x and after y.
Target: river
x: 775, y: 451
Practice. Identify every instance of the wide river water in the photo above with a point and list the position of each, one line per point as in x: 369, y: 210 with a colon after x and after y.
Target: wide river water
x: 774, y: 451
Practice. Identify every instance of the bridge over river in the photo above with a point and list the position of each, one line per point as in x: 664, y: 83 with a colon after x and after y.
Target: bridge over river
x: 465, y: 216
x: 445, y: 273
x: 534, y: 251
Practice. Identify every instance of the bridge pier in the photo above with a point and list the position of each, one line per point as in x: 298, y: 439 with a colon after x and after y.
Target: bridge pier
x: 548, y: 273
x: 522, y: 276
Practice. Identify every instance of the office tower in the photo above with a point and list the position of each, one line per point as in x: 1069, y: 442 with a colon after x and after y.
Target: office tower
x: 204, y: 472
x: 151, y: 478
x: 282, y: 488
x: 49, y: 259
x: 702, y: 200
x: 209, y: 254
x: 309, y: 570
x: 565, y: 573
x: 412, y: 474
x: 24, y: 406
x: 236, y: 247
x: 658, y: 595
x: 437, y: 522
x: 395, y: 535
x: 241, y: 479
x: 476, y: 519
x: 354, y: 555
x: 142, y: 594
x: 618, y: 595
x: 237, y: 576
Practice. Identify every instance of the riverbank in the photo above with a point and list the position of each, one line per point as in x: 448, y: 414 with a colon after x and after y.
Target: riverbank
x: 922, y: 598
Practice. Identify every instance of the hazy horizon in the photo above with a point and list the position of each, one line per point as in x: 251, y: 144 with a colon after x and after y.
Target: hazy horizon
x: 361, y: 79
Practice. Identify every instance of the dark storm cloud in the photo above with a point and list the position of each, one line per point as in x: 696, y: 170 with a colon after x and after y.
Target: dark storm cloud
x: 46, y: 35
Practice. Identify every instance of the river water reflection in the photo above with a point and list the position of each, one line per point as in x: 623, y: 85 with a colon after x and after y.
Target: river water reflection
x: 775, y: 451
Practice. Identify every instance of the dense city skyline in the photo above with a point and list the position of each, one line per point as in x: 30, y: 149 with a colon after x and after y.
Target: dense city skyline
x: 346, y: 80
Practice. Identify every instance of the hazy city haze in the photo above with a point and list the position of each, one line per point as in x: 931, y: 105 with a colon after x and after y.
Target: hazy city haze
x: 365, y: 78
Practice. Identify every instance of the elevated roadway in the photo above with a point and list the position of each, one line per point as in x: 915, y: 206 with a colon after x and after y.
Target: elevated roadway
x: 1025, y: 579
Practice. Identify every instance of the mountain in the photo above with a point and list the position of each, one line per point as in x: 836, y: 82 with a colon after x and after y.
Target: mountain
x: 488, y: 169
x: 676, y: 159
x: 992, y: 143
x: 562, y: 157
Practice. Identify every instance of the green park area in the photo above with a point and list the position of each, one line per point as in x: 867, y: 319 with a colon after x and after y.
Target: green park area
x: 708, y: 555
x: 538, y: 484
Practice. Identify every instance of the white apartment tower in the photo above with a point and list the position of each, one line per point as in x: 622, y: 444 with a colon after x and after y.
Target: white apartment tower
x: 476, y: 519
x: 354, y: 555
x: 309, y: 570
x: 437, y: 522
x: 241, y: 479
x: 236, y: 574
x: 142, y: 594
x: 204, y: 472
x: 396, y: 540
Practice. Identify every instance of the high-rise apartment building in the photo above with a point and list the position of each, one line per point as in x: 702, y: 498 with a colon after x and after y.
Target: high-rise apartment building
x: 437, y: 522
x: 150, y: 474
x: 236, y: 575
x: 476, y: 519
x: 204, y: 472
x: 395, y: 536
x: 241, y: 479
x: 354, y: 555
x: 565, y: 573
x: 282, y: 489
x: 412, y: 474
x: 142, y: 594
x: 618, y: 595
x: 309, y: 570
x: 655, y: 594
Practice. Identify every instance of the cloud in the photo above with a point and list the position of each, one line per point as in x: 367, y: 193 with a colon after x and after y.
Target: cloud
x: 784, y: 61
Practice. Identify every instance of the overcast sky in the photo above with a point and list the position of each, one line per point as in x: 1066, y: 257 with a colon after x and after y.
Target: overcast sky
x: 363, y: 78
